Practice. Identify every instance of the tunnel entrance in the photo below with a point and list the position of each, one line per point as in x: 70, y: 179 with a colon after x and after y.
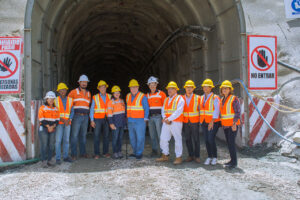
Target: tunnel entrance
x: 116, y: 40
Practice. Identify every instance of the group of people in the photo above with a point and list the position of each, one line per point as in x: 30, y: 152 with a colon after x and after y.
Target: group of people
x: 66, y: 117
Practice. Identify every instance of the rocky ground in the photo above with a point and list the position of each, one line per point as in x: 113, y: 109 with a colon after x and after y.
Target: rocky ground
x: 262, y: 174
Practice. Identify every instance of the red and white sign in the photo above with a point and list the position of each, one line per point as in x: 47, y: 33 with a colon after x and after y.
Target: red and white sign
x: 262, y: 62
x: 10, y: 64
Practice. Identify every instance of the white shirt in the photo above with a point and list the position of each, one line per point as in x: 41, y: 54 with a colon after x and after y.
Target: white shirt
x: 179, y: 110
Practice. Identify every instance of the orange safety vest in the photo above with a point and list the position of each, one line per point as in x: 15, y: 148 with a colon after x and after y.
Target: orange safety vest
x: 191, y: 112
x: 156, y: 100
x: 100, y: 109
x: 64, y: 114
x: 135, y: 108
x: 48, y: 114
x: 80, y: 101
x: 207, y: 110
x: 170, y: 108
x: 115, y: 108
x: 227, y: 112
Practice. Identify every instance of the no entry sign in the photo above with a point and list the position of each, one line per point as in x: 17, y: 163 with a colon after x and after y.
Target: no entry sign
x: 262, y: 62
x: 10, y: 65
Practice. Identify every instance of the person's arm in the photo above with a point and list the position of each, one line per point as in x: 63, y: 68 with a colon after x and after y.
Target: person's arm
x: 72, y: 113
x: 92, y: 110
x: 146, y: 108
x: 237, y: 109
x: 179, y: 110
x: 110, y: 112
x: 216, y: 112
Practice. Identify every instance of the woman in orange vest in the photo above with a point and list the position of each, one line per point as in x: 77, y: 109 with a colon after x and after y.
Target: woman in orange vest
x: 191, y: 113
x: 230, y: 119
x: 210, y: 120
x: 117, y: 120
x: 48, y: 118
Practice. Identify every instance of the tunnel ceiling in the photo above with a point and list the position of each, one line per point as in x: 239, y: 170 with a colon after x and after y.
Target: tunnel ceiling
x: 115, y: 39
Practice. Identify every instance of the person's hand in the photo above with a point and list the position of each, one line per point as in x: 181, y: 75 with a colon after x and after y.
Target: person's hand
x: 234, y: 127
x: 211, y: 125
x: 62, y: 120
x: 93, y: 124
x: 168, y: 122
x: 113, y: 127
x: 51, y: 129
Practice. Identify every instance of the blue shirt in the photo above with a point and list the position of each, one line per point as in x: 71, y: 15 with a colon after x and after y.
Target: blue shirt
x: 145, y: 107
x: 64, y: 102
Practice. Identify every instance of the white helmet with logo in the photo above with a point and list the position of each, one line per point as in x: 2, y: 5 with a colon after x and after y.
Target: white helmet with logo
x: 83, y: 78
x: 50, y: 95
x: 152, y: 79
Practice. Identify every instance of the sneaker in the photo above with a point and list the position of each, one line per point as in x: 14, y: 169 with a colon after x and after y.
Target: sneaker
x: 131, y: 156
x: 120, y: 155
x: 58, y: 162
x: 115, y: 156
x: 107, y: 155
x: 207, y: 161
x: 68, y: 159
x: 214, y: 161
x: 139, y: 157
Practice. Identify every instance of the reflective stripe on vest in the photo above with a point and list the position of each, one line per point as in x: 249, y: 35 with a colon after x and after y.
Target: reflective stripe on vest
x: 227, y: 112
x: 170, y: 109
x: 135, y: 108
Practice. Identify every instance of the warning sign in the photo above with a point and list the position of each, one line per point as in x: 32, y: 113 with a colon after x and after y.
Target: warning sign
x: 10, y: 65
x: 262, y: 62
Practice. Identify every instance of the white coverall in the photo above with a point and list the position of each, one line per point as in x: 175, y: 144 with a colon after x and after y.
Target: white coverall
x: 174, y: 129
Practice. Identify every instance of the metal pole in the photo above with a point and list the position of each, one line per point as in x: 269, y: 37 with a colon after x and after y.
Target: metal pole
x: 245, y: 135
x: 27, y: 62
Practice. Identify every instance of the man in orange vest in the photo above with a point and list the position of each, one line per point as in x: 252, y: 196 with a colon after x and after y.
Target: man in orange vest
x: 81, y: 104
x: 191, y: 114
x: 210, y: 120
x: 156, y: 100
x: 99, y: 121
x: 137, y: 114
x: 64, y: 105
x: 172, y: 114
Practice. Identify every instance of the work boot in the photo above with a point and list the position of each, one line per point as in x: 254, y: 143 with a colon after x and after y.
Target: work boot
x: 177, y: 161
x: 163, y: 158
x: 96, y: 157
x: 197, y: 160
x: 189, y: 159
x: 51, y: 163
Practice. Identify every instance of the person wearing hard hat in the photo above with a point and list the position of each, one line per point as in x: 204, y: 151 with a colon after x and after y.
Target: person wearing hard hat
x: 137, y: 114
x: 230, y: 119
x: 98, y: 116
x: 64, y: 104
x: 210, y: 120
x: 156, y: 100
x: 191, y: 113
x: 172, y: 114
x: 117, y: 120
x: 48, y: 118
x: 81, y: 104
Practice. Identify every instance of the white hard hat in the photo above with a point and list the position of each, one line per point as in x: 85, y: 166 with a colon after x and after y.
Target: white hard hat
x: 83, y: 78
x: 50, y: 95
x: 152, y: 79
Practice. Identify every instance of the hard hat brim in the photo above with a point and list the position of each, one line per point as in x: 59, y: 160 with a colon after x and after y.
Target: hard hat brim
x: 189, y: 86
x: 172, y: 87
x: 212, y: 86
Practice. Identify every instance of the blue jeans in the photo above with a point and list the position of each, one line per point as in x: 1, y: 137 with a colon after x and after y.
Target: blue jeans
x: 117, y: 137
x: 210, y: 139
x: 46, y: 143
x: 137, y: 131
x: 62, y: 134
x: 79, y: 130
x: 102, y: 128
x: 155, y: 125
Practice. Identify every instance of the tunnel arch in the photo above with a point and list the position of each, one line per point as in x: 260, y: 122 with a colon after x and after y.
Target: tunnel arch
x: 114, y: 39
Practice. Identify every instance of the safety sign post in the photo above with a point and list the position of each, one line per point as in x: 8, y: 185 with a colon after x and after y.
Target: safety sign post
x: 262, y: 62
x: 10, y: 65
x: 292, y: 8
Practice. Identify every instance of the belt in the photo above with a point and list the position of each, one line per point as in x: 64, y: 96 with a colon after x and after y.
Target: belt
x: 82, y: 114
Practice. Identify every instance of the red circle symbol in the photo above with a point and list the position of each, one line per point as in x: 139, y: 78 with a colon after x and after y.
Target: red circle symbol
x: 7, y: 67
x: 262, y: 58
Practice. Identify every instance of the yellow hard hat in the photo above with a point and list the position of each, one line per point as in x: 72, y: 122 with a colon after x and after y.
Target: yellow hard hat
x: 133, y: 83
x: 101, y: 82
x: 172, y: 84
x: 189, y: 83
x: 208, y: 82
x: 115, y: 89
x: 61, y: 86
x: 226, y: 83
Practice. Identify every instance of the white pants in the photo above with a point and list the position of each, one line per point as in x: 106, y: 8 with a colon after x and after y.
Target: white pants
x: 167, y: 131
